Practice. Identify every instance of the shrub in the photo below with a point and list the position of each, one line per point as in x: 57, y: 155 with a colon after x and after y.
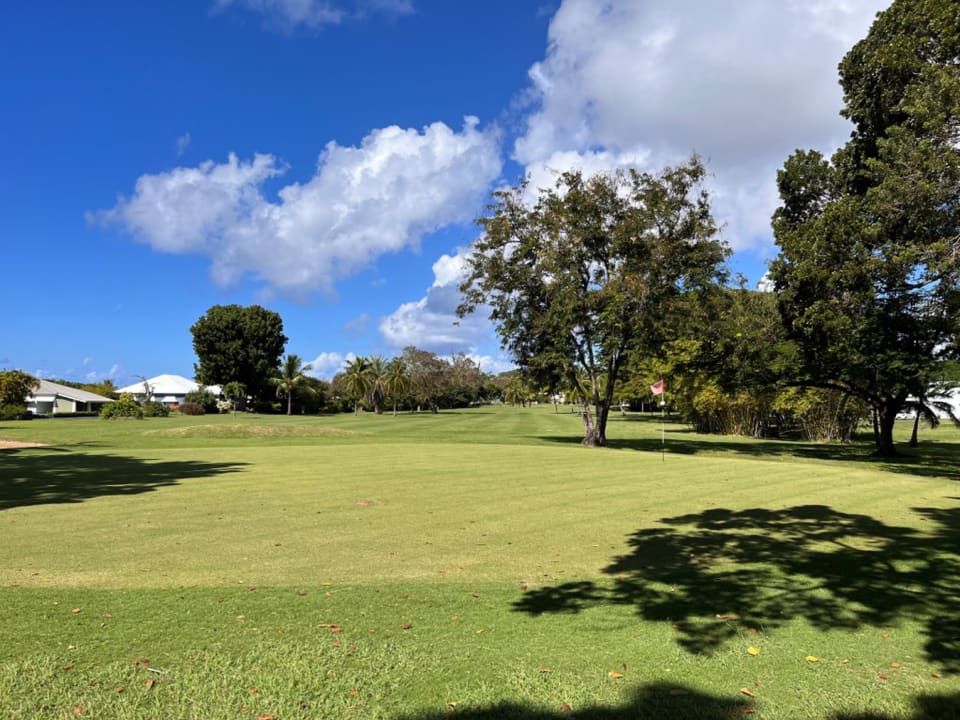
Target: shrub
x: 12, y: 411
x: 191, y: 408
x: 202, y: 397
x: 155, y: 409
x: 125, y: 407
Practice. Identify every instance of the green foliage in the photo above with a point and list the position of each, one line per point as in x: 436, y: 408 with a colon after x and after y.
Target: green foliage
x: 152, y: 408
x: 236, y: 394
x: 292, y: 374
x: 241, y: 344
x: 125, y: 407
x: 593, y: 272
x: 192, y: 408
x: 868, y: 275
x: 12, y: 411
x: 201, y: 397
x: 15, y: 386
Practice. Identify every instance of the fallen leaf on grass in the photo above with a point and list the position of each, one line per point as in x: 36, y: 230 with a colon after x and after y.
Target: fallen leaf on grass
x: 935, y: 676
x: 149, y: 682
x: 241, y: 618
x: 894, y: 664
x: 565, y: 707
x: 78, y: 710
x: 726, y: 617
x: 453, y: 618
x: 882, y: 676
x: 748, y: 692
x: 544, y: 670
x: 615, y: 675
x: 353, y: 692
x: 118, y: 689
x: 251, y: 587
x: 753, y: 650
x: 68, y: 667
x: 336, y: 629
x: 407, y: 626
x: 301, y: 593
x: 885, y: 635
x: 76, y: 610
x: 812, y: 658
x: 107, y: 616
x: 337, y: 643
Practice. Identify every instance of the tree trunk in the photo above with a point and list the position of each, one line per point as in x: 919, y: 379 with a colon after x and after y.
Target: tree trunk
x: 595, y: 432
x: 289, y: 403
x: 886, y: 418
x: 916, y: 426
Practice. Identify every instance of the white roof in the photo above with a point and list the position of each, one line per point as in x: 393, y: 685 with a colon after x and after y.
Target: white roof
x: 51, y: 390
x: 166, y: 385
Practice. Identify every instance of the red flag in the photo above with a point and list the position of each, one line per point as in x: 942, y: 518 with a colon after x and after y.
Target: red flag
x: 658, y: 387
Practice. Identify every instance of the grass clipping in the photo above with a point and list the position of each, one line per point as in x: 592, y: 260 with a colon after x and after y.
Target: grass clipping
x: 239, y: 430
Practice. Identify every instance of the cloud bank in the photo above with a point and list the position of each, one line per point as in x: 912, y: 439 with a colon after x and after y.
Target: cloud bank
x: 362, y: 202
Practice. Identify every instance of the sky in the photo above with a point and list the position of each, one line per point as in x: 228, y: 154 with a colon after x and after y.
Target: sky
x: 326, y: 159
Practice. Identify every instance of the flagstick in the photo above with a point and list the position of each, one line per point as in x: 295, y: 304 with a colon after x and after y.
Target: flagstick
x: 663, y: 431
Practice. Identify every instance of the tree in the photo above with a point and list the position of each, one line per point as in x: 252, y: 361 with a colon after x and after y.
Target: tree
x: 428, y: 376
x: 15, y: 386
x: 868, y: 275
x: 238, y: 344
x: 397, y: 381
x: 377, y: 391
x: 235, y: 393
x: 357, y: 380
x: 292, y: 374
x: 592, y: 273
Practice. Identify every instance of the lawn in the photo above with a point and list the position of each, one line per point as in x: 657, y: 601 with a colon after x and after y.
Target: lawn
x: 476, y: 564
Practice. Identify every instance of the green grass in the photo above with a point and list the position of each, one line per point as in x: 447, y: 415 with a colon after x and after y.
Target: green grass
x: 479, y: 564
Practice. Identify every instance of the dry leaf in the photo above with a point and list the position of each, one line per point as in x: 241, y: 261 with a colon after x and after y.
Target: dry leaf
x: 251, y: 587
x: 453, y: 617
x: 252, y: 689
x: 726, y: 617
x: 565, y: 707
x: 885, y: 635
x: 615, y: 675
x: 882, y: 676
x: 241, y: 618
x: 544, y: 670
x: 747, y: 691
x: 149, y: 682
x: 78, y: 710
x: 337, y: 643
x: 353, y: 692
x: 279, y: 631
x: 107, y: 616
x: 935, y: 676
x: 812, y: 658
x: 68, y: 667
x: 894, y: 664
x: 336, y: 629
x: 753, y: 650
x: 118, y: 689
x: 301, y: 593
x: 75, y: 610
x: 407, y: 626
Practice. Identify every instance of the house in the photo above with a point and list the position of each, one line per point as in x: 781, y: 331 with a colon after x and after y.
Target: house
x: 167, y: 389
x: 55, y: 399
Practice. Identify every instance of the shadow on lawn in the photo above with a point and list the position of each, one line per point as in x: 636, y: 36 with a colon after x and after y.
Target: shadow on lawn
x: 715, y: 574
x: 31, y: 477
x: 666, y: 702
x: 929, y: 460
x: 662, y: 702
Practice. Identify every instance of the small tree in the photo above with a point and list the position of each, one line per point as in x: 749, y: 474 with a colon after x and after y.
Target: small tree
x: 397, y: 381
x: 292, y: 374
x: 124, y: 407
x: 236, y: 393
x: 357, y: 381
x: 15, y: 386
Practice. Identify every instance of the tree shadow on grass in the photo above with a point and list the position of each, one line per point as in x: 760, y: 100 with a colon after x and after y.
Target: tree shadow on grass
x: 930, y: 460
x: 51, y: 475
x: 926, y: 707
x: 715, y: 574
x: 663, y: 702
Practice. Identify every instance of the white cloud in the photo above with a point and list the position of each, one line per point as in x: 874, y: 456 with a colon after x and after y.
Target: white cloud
x: 315, y: 14
x: 431, y: 323
x: 362, y: 202
x: 312, y: 14
x: 327, y: 364
x: 741, y: 82
x: 183, y: 142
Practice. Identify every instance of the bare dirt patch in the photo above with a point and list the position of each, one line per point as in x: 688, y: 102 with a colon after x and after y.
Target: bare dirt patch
x: 16, y: 444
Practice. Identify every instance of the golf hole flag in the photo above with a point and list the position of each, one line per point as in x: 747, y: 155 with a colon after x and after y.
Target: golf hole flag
x: 658, y: 387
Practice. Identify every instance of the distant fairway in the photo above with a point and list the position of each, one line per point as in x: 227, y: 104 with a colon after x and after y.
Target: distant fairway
x: 478, y: 562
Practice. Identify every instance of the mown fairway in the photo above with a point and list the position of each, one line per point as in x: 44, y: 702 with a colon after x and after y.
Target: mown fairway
x: 475, y: 564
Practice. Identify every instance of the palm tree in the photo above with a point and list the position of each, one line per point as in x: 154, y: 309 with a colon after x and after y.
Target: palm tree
x: 397, y: 380
x: 357, y: 377
x: 292, y: 373
x: 378, y: 383
x: 929, y: 409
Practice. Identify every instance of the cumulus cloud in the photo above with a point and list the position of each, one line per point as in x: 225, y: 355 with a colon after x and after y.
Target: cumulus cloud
x: 741, y: 82
x: 431, y: 323
x: 327, y: 364
x: 361, y: 203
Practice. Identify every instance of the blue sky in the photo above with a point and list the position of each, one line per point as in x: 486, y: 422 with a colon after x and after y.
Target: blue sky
x: 326, y: 158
